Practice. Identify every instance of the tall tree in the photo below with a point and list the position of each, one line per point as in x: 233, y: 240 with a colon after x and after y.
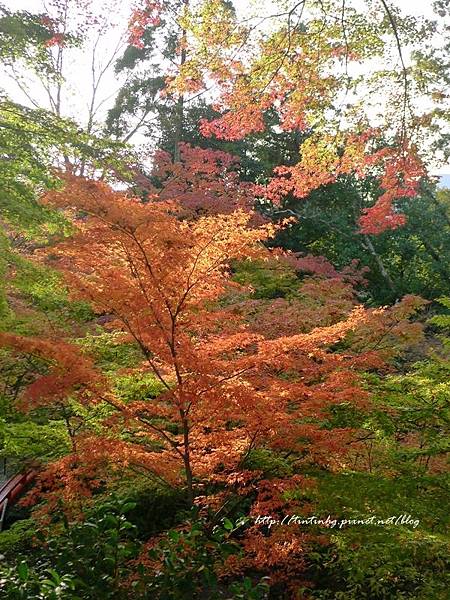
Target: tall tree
x: 305, y: 66
x: 228, y: 385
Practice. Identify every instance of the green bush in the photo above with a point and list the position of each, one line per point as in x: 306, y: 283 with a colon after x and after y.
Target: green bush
x: 22, y: 583
x: 109, y: 351
x: 133, y: 387
x: 269, y: 462
x: 387, y: 567
x: 189, y: 561
x: 87, y: 560
x: 45, y: 289
x: 268, y: 281
x: 381, y: 562
x: 156, y: 507
x: 18, y: 539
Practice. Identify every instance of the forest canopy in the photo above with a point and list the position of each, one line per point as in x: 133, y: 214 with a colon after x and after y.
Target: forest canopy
x: 224, y: 303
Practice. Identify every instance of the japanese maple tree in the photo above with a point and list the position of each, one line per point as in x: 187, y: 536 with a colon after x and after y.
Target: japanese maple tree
x: 319, y: 66
x: 229, y: 383
x: 160, y: 277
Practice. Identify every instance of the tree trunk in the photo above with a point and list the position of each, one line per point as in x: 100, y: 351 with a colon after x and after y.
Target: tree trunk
x: 187, y: 459
x: 441, y: 265
x: 179, y: 109
x: 368, y: 245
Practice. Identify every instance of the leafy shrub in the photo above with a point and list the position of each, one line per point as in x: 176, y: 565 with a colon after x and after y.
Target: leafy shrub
x: 274, y: 281
x: 21, y: 583
x: 442, y: 320
x: 17, y: 540
x: 156, y: 507
x: 184, y: 565
x: 109, y: 351
x: 46, y: 291
x: 133, y: 387
x: 86, y: 560
x: 269, y: 462
x: 383, y: 568
x: 380, y: 562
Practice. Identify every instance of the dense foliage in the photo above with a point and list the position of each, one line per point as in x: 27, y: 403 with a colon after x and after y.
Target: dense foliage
x: 224, y: 350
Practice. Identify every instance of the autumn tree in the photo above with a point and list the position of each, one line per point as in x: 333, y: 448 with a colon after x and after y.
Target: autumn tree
x: 228, y: 384
x: 33, y: 142
x: 142, y: 104
x: 55, y: 38
x: 261, y: 361
x: 410, y: 260
x: 342, y: 150
x: 303, y: 62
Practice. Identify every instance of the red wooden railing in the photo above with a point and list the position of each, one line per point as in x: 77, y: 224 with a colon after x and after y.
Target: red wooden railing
x: 11, y: 489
